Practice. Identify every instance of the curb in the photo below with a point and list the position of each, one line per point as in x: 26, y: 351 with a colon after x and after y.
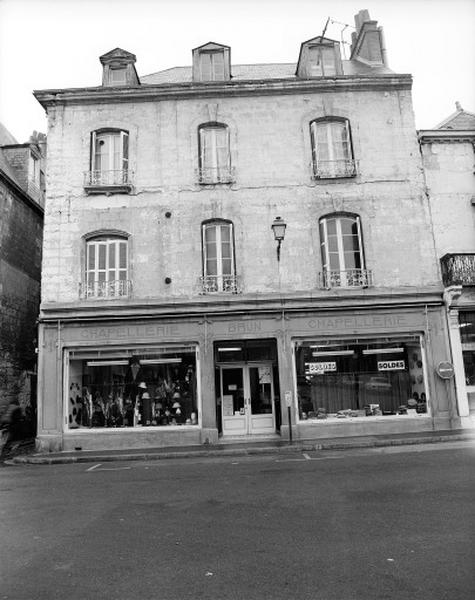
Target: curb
x: 331, y: 444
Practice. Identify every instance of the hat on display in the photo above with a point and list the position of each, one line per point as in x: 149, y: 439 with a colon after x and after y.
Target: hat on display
x: 143, y: 385
x: 176, y: 405
x: 146, y: 396
x: 176, y: 395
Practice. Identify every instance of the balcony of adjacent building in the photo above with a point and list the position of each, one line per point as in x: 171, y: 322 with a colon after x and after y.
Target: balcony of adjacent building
x: 458, y: 269
x: 105, y: 290
x: 117, y: 181
x: 349, y: 278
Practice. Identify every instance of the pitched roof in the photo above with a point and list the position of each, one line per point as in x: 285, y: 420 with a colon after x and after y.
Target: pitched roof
x: 256, y: 72
x: 460, y: 120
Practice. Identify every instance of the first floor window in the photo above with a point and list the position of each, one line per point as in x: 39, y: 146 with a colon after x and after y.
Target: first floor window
x: 332, y: 152
x: 106, y: 267
x: 342, y: 251
x: 109, y: 158
x: 214, y: 154
x: 132, y: 387
x: 218, y: 257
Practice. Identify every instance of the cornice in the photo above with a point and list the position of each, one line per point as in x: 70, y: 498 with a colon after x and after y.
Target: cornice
x: 427, y: 136
x: 180, y: 91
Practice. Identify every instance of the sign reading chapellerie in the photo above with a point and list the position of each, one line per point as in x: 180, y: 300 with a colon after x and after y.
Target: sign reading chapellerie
x: 358, y: 322
x: 128, y: 332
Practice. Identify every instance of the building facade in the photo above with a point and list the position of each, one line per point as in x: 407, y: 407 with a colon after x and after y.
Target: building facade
x: 449, y: 164
x: 21, y: 235
x: 239, y: 251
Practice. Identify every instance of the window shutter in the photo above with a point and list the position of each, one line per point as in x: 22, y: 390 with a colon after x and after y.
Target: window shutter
x: 125, y: 151
x: 92, y: 151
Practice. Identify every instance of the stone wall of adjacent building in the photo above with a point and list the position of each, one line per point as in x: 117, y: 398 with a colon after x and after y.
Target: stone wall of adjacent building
x: 20, y: 262
x: 271, y: 155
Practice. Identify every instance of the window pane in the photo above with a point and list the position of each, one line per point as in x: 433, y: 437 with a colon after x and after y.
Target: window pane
x: 225, y: 233
x: 334, y: 259
x: 328, y: 59
x: 102, y: 256
x: 347, y: 226
x: 123, y: 255
x: 227, y: 266
x: 211, y: 250
x: 331, y: 226
x: 210, y: 234
x: 91, y: 251
x: 211, y: 267
x: 112, y: 251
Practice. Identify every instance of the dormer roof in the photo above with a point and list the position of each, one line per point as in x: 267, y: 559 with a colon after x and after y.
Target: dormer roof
x: 118, y: 54
x: 212, y: 46
x: 211, y: 62
x: 460, y: 120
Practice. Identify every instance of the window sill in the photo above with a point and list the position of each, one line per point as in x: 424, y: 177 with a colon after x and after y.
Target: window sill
x: 108, y: 190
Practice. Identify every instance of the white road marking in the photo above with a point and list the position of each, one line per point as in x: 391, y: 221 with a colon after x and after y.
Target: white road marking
x: 94, y: 467
x: 307, y: 456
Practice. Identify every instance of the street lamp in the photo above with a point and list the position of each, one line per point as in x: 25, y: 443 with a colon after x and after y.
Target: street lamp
x: 278, y: 227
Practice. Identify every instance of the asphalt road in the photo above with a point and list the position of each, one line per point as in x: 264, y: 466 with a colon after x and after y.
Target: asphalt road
x: 374, y: 524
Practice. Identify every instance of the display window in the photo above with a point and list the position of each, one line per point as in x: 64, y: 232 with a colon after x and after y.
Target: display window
x: 132, y: 387
x: 360, y: 378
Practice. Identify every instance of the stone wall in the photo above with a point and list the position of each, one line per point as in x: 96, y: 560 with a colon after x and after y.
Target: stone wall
x: 271, y: 154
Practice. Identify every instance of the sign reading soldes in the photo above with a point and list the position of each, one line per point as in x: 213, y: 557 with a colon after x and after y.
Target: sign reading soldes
x: 319, y: 367
x: 391, y: 365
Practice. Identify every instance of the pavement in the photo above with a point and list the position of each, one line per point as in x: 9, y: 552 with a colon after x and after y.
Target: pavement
x: 25, y: 454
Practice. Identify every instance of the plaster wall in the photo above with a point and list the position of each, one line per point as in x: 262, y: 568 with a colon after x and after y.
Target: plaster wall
x: 450, y: 179
x: 271, y: 154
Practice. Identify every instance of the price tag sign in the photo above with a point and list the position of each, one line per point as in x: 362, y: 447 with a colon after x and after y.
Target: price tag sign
x: 288, y: 399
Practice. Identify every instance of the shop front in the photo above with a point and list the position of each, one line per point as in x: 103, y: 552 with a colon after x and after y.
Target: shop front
x: 136, y: 383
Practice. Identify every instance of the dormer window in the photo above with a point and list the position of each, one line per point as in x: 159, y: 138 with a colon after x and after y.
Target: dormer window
x: 211, y: 62
x: 118, y: 75
x: 118, y: 68
x: 319, y: 57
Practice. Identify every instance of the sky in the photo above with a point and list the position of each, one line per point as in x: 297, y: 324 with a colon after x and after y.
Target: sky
x: 47, y: 44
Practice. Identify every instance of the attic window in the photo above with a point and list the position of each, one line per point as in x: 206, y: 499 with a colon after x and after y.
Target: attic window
x: 118, y: 74
x: 212, y: 65
x: 322, y: 61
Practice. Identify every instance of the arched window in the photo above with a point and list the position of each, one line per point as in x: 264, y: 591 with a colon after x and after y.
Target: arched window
x: 332, y: 152
x: 214, y: 153
x: 107, y: 270
x: 109, y: 159
x: 342, y: 252
x: 218, y: 257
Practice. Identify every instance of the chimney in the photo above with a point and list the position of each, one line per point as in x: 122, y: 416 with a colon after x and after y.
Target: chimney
x: 367, y: 43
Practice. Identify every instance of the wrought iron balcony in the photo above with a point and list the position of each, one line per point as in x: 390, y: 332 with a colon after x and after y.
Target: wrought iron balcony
x: 458, y: 269
x: 101, y: 182
x: 117, y: 288
x: 350, y: 278
x: 213, y: 175
x: 215, y: 284
x: 333, y: 169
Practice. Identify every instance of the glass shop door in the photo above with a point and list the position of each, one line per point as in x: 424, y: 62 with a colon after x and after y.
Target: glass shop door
x: 247, y: 399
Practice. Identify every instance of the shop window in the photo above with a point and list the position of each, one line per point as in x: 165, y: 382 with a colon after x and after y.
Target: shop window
x: 467, y: 326
x: 332, y: 152
x: 218, y: 257
x: 360, y: 379
x: 109, y: 162
x: 147, y: 387
x: 107, y: 272
x: 214, y: 154
x: 342, y: 252
x: 469, y: 364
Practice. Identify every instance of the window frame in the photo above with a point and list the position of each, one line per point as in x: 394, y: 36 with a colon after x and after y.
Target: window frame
x: 335, y: 168
x: 216, y: 71
x: 115, y: 287
x: 219, y: 282
x: 110, y: 179
x: 321, y: 50
x: 213, y: 171
x: 344, y: 276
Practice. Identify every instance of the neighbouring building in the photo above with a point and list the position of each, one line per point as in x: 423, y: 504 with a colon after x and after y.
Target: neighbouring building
x: 448, y: 154
x: 227, y: 246
x: 21, y: 235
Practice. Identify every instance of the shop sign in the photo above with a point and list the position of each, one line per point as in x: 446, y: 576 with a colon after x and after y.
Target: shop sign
x: 391, y: 365
x: 318, y: 368
x: 445, y: 370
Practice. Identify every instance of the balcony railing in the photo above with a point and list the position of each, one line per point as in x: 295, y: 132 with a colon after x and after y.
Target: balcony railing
x: 118, y: 180
x: 350, y: 278
x: 333, y: 169
x: 458, y: 269
x: 212, y: 175
x: 215, y: 284
x: 117, y: 288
